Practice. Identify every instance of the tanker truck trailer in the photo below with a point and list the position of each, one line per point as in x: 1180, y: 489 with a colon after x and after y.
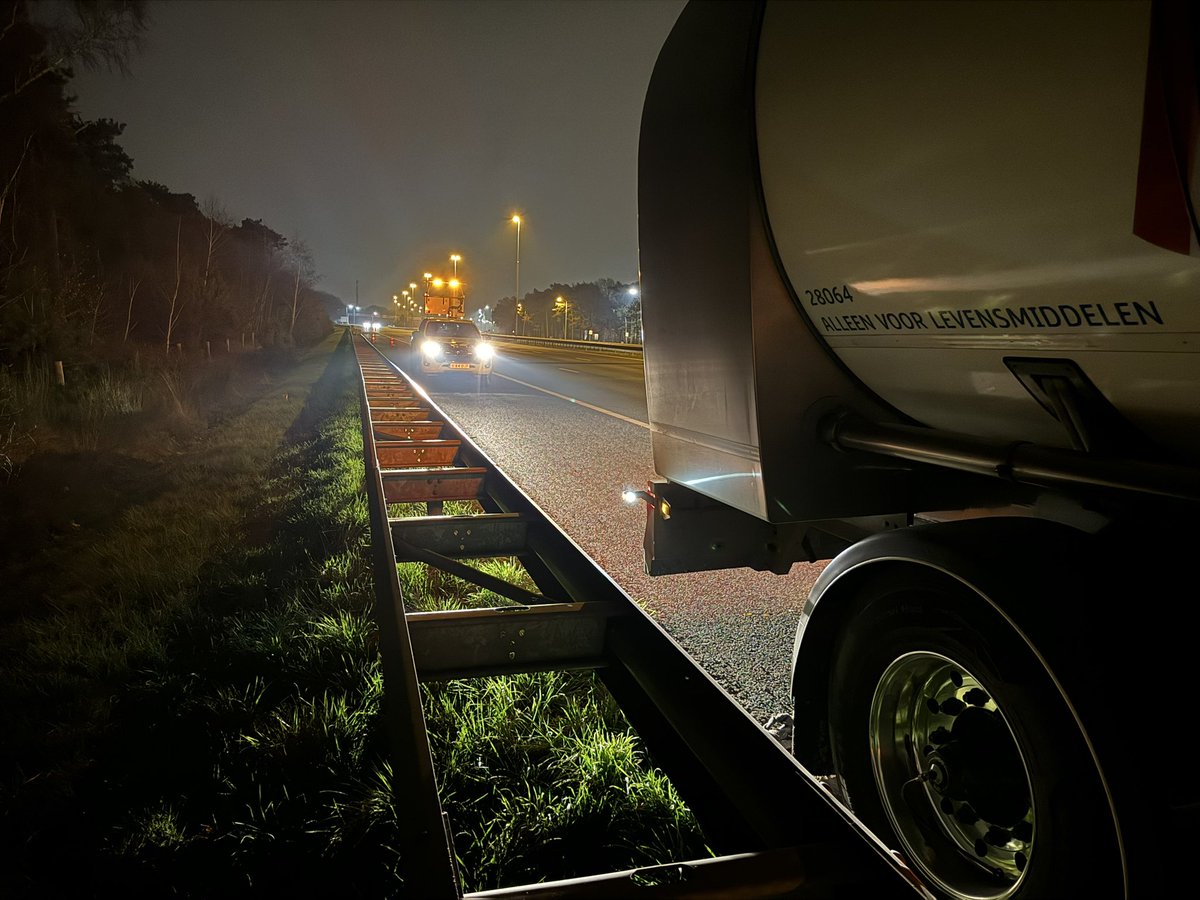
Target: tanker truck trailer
x: 922, y: 301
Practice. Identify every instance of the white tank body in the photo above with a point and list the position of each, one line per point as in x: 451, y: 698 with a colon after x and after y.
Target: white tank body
x: 952, y: 185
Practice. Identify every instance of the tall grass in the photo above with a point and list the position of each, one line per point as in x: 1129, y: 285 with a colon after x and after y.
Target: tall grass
x: 543, y: 778
x: 540, y: 773
x: 100, y: 397
x: 192, y: 698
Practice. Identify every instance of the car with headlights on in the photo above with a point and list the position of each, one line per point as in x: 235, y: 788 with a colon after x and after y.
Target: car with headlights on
x: 444, y: 344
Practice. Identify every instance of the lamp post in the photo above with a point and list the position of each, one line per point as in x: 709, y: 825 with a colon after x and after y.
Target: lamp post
x: 633, y: 292
x: 395, y: 309
x: 517, y: 296
x: 454, y: 258
x: 561, y: 303
x: 412, y: 287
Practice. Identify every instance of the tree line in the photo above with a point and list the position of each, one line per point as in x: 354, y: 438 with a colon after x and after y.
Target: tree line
x: 95, y: 261
x: 605, y: 310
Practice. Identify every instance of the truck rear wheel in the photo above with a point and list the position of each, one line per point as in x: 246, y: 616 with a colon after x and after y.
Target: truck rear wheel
x: 956, y: 747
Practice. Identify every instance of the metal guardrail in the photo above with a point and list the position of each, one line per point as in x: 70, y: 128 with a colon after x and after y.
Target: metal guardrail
x: 595, y: 346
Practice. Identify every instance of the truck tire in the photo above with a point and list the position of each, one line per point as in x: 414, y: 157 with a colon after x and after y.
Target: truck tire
x: 957, y: 748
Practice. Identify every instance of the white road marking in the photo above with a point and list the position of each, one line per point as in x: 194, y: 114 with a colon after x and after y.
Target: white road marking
x: 599, y: 409
x: 565, y: 369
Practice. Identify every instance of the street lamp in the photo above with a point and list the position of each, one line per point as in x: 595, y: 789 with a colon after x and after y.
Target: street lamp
x: 633, y: 292
x: 561, y: 303
x: 412, y: 286
x: 454, y: 258
x: 395, y: 309
x: 516, y: 220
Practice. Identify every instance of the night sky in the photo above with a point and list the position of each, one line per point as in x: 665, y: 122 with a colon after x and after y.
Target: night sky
x: 390, y: 134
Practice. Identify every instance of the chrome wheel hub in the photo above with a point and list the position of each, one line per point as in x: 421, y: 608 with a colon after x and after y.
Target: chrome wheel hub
x: 951, y: 777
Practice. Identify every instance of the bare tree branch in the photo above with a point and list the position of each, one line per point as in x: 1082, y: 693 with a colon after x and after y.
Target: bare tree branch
x: 176, y: 308
x: 8, y: 186
x: 96, y: 33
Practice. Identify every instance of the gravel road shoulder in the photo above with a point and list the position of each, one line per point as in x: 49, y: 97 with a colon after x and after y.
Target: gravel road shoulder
x: 738, y: 624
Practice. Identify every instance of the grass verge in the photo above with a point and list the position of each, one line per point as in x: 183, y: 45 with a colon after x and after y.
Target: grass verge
x: 191, y: 705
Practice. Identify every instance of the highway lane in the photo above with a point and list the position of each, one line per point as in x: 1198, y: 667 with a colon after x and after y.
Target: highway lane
x: 574, y: 461
x: 614, y: 382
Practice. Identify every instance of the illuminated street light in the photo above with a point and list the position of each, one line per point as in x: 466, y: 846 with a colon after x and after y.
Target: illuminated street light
x: 454, y: 258
x: 561, y: 303
x: 633, y: 292
x: 516, y: 220
x: 412, y: 286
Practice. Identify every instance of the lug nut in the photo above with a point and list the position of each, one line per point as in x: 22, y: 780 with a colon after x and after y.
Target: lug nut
x: 967, y: 815
x: 977, y: 697
x: 997, y: 837
x: 953, y: 706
